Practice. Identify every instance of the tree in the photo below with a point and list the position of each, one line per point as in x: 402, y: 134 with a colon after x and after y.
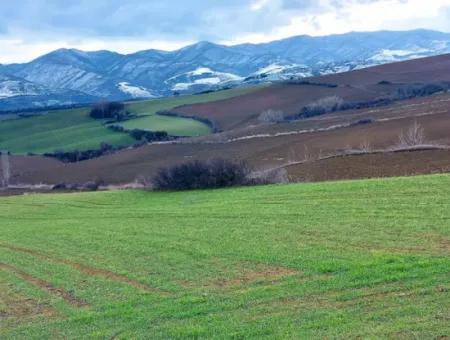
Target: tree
x: 271, y: 116
x: 115, y: 110
x: 413, y: 136
x: 6, y: 169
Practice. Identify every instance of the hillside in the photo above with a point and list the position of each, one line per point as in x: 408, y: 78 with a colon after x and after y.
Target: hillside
x: 206, y: 66
x: 73, y: 129
x: 286, y: 144
x: 336, y: 260
x: 356, y: 86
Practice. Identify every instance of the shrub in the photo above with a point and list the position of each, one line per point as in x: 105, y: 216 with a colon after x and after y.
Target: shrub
x: 202, y: 175
x: 413, y: 136
x: 59, y: 186
x: 271, y: 116
x: 91, y: 186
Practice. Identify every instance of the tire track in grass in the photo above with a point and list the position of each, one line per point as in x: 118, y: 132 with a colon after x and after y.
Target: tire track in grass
x: 88, y: 270
x: 42, y: 284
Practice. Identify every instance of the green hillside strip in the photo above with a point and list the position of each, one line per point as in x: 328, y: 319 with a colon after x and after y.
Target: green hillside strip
x: 357, y: 259
x: 58, y: 130
x: 173, y: 125
x: 72, y: 129
x: 152, y: 106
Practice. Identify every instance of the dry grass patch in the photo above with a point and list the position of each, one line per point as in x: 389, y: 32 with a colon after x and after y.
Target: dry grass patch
x: 266, y: 275
x: 16, y: 307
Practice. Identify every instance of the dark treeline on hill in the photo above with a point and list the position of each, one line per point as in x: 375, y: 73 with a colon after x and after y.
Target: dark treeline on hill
x: 78, y: 156
x: 335, y: 103
x: 294, y: 81
x: 109, y: 110
x: 144, y: 135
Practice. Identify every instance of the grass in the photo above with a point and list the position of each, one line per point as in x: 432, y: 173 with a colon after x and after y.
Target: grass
x: 178, y: 126
x: 58, y: 130
x: 175, y: 125
x: 332, y: 260
x: 73, y: 129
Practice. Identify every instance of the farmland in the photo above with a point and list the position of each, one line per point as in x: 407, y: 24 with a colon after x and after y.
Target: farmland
x: 340, y: 260
x: 73, y: 129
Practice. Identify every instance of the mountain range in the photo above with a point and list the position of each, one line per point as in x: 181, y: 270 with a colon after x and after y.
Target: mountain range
x: 69, y: 76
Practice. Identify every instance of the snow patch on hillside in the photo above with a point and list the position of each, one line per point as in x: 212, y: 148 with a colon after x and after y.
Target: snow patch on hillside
x: 203, y: 81
x: 201, y: 76
x: 386, y: 55
x: 271, y: 69
x: 13, y: 88
x: 134, y: 91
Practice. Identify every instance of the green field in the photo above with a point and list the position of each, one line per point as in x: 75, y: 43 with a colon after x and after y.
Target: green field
x: 357, y: 259
x: 73, y: 129
x: 178, y: 126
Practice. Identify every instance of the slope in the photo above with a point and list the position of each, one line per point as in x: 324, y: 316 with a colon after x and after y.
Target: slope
x: 365, y: 259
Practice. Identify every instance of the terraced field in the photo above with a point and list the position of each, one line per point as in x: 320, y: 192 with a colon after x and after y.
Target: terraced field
x: 73, y: 129
x: 358, y: 259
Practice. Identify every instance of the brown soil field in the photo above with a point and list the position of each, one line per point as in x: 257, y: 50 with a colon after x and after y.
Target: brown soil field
x: 391, y: 164
x: 127, y: 165
x: 360, y: 85
x: 266, y: 146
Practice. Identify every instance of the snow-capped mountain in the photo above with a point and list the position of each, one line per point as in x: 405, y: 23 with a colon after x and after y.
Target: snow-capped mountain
x: 69, y: 75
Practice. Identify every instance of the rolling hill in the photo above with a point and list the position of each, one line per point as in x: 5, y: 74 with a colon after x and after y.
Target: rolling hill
x: 286, y: 145
x: 73, y: 129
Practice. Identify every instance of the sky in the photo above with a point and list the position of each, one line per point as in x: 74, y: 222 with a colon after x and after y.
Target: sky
x: 30, y: 28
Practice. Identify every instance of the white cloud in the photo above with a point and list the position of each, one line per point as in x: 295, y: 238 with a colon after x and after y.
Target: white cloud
x: 258, y: 5
x: 354, y: 15
x: 17, y: 50
x: 30, y: 28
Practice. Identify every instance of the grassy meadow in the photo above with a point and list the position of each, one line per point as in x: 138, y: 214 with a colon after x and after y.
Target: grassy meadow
x: 73, y: 129
x: 343, y: 260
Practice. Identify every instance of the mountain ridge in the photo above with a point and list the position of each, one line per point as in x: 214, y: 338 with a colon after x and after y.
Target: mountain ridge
x: 149, y: 73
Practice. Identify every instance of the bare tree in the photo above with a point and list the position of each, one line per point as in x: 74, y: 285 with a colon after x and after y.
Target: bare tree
x: 6, y: 169
x: 271, y: 116
x: 413, y: 136
x: 365, y: 146
x: 322, y: 106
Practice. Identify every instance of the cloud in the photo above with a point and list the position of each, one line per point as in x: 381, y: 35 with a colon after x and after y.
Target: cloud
x: 118, y: 24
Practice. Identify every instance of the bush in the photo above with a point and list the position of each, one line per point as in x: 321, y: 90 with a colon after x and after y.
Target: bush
x: 271, y: 116
x: 413, y: 136
x: 202, y: 175
x: 59, y: 186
